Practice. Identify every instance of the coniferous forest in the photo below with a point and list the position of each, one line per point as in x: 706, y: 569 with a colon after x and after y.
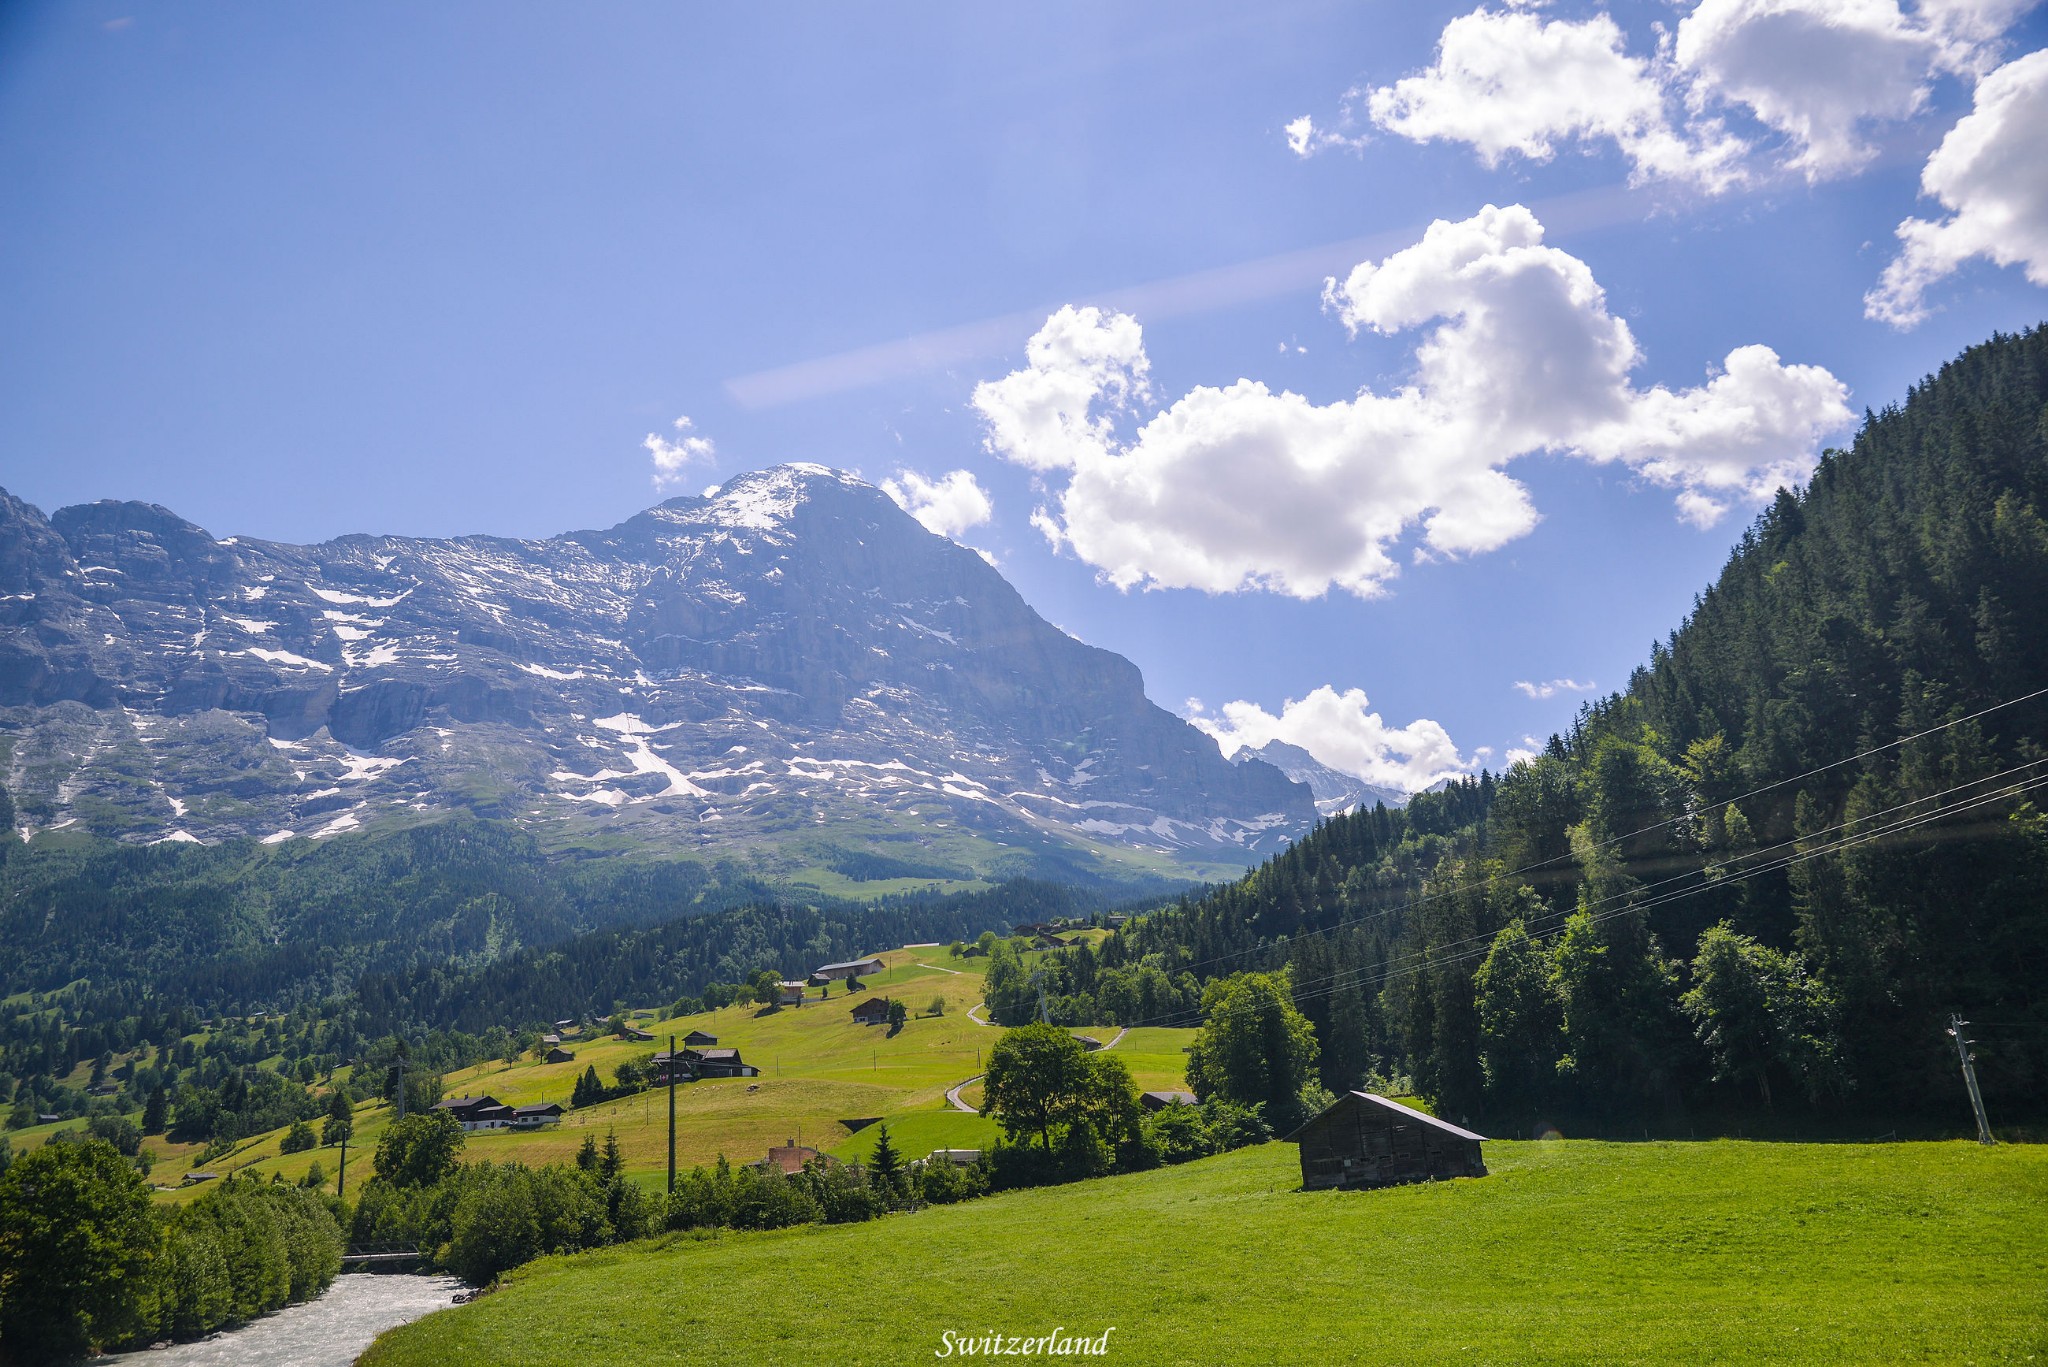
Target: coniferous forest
x: 1760, y: 878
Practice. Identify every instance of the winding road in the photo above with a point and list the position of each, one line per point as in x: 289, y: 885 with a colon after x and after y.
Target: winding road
x: 953, y: 1092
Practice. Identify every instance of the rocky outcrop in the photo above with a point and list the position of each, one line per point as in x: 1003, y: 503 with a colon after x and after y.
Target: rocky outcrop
x: 790, y: 659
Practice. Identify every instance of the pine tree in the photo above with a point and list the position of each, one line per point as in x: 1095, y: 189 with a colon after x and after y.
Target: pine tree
x: 589, y: 1091
x: 885, y: 1167
x: 155, y: 1112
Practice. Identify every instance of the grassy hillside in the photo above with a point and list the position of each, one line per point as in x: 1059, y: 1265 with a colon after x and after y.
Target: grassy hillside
x: 1572, y: 1252
x: 819, y: 1070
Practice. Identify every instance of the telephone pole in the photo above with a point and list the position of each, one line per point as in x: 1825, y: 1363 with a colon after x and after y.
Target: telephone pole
x: 671, y: 1115
x: 341, y: 1178
x: 1969, y: 1062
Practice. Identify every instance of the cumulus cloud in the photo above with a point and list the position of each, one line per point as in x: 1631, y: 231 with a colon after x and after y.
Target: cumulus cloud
x: 1990, y: 174
x: 672, y: 458
x: 1550, y: 688
x: 1514, y: 82
x: 1816, y: 73
x: 1240, y: 487
x: 950, y: 505
x: 1340, y: 730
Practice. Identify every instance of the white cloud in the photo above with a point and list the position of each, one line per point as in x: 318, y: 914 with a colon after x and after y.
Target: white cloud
x: 1338, y: 729
x: 1817, y: 73
x: 949, y: 505
x: 671, y: 457
x: 1813, y: 70
x: 1513, y: 82
x: 1992, y: 177
x: 1241, y: 487
x: 1552, y: 687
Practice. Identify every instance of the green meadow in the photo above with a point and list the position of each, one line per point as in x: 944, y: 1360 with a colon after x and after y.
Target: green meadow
x: 824, y: 1077
x: 1571, y: 1252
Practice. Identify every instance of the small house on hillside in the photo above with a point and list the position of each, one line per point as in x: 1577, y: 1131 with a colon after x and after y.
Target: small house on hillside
x: 1364, y: 1140
x: 560, y: 1055
x: 1159, y: 1101
x: 719, y: 1063
x: 789, y: 1159
x: 873, y: 1011
x: 565, y: 1026
x: 959, y: 1158
x: 1088, y: 1042
x: 697, y: 1039
x: 791, y: 994
x: 551, y: 1038
x: 852, y: 968
x: 1050, y: 942
x: 477, y: 1112
x: 636, y: 1034
x: 680, y: 1064
x: 534, y: 1117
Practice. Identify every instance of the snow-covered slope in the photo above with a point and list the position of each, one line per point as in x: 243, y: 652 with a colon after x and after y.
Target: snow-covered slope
x: 794, y: 657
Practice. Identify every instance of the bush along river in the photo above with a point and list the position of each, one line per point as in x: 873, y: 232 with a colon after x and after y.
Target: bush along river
x: 331, y: 1330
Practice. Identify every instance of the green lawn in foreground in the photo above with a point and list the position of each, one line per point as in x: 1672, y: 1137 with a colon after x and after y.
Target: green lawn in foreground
x: 1572, y: 1252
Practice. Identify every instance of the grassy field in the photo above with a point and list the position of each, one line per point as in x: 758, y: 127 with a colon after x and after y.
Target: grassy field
x: 1572, y: 1252
x: 819, y: 1070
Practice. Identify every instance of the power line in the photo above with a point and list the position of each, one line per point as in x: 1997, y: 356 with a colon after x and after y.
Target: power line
x: 1383, y: 913
x: 1477, y: 946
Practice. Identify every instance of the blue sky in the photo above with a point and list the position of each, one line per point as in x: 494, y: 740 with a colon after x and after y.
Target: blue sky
x: 295, y: 273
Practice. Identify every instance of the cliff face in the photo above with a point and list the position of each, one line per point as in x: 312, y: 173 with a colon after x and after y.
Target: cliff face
x: 794, y: 658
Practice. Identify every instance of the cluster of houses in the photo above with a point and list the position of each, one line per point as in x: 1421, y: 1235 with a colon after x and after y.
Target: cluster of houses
x: 793, y: 993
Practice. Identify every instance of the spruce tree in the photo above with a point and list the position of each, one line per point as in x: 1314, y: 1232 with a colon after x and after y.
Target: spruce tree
x: 885, y: 1167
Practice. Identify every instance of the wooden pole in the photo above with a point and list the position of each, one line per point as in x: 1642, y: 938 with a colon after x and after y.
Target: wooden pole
x: 341, y: 1178
x: 671, y: 1115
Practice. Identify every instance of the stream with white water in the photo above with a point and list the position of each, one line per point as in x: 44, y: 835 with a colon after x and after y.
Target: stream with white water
x: 330, y: 1331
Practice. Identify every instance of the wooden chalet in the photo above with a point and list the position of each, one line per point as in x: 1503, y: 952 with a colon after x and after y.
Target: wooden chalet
x: 872, y: 1011
x: 678, y: 1063
x: 1088, y: 1042
x: 636, y: 1034
x: 536, y: 1117
x: 560, y: 1055
x: 477, y: 1112
x: 697, y: 1039
x: 852, y: 968
x: 1364, y: 1140
x: 1159, y: 1101
x: 719, y: 1063
x: 789, y: 994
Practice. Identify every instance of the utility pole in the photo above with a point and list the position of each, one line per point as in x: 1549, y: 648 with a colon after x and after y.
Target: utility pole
x: 1969, y: 1061
x: 341, y: 1178
x: 671, y: 1115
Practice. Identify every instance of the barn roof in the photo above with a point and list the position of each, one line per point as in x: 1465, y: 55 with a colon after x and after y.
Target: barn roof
x: 850, y: 963
x: 1406, y: 1112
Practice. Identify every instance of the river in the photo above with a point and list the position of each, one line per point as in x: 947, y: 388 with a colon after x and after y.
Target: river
x: 329, y: 1331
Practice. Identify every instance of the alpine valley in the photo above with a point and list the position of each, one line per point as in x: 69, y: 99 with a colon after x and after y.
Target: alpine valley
x: 789, y: 672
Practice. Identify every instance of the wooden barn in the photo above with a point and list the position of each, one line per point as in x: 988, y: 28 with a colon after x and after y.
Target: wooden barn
x: 1364, y: 1140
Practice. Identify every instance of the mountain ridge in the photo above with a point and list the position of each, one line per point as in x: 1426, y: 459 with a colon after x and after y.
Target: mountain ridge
x: 757, y: 667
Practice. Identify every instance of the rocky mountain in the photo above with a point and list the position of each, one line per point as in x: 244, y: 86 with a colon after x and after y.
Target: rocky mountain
x: 1335, y: 792
x: 790, y: 668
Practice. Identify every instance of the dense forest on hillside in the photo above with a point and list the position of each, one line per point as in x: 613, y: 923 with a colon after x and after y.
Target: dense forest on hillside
x: 1760, y: 877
